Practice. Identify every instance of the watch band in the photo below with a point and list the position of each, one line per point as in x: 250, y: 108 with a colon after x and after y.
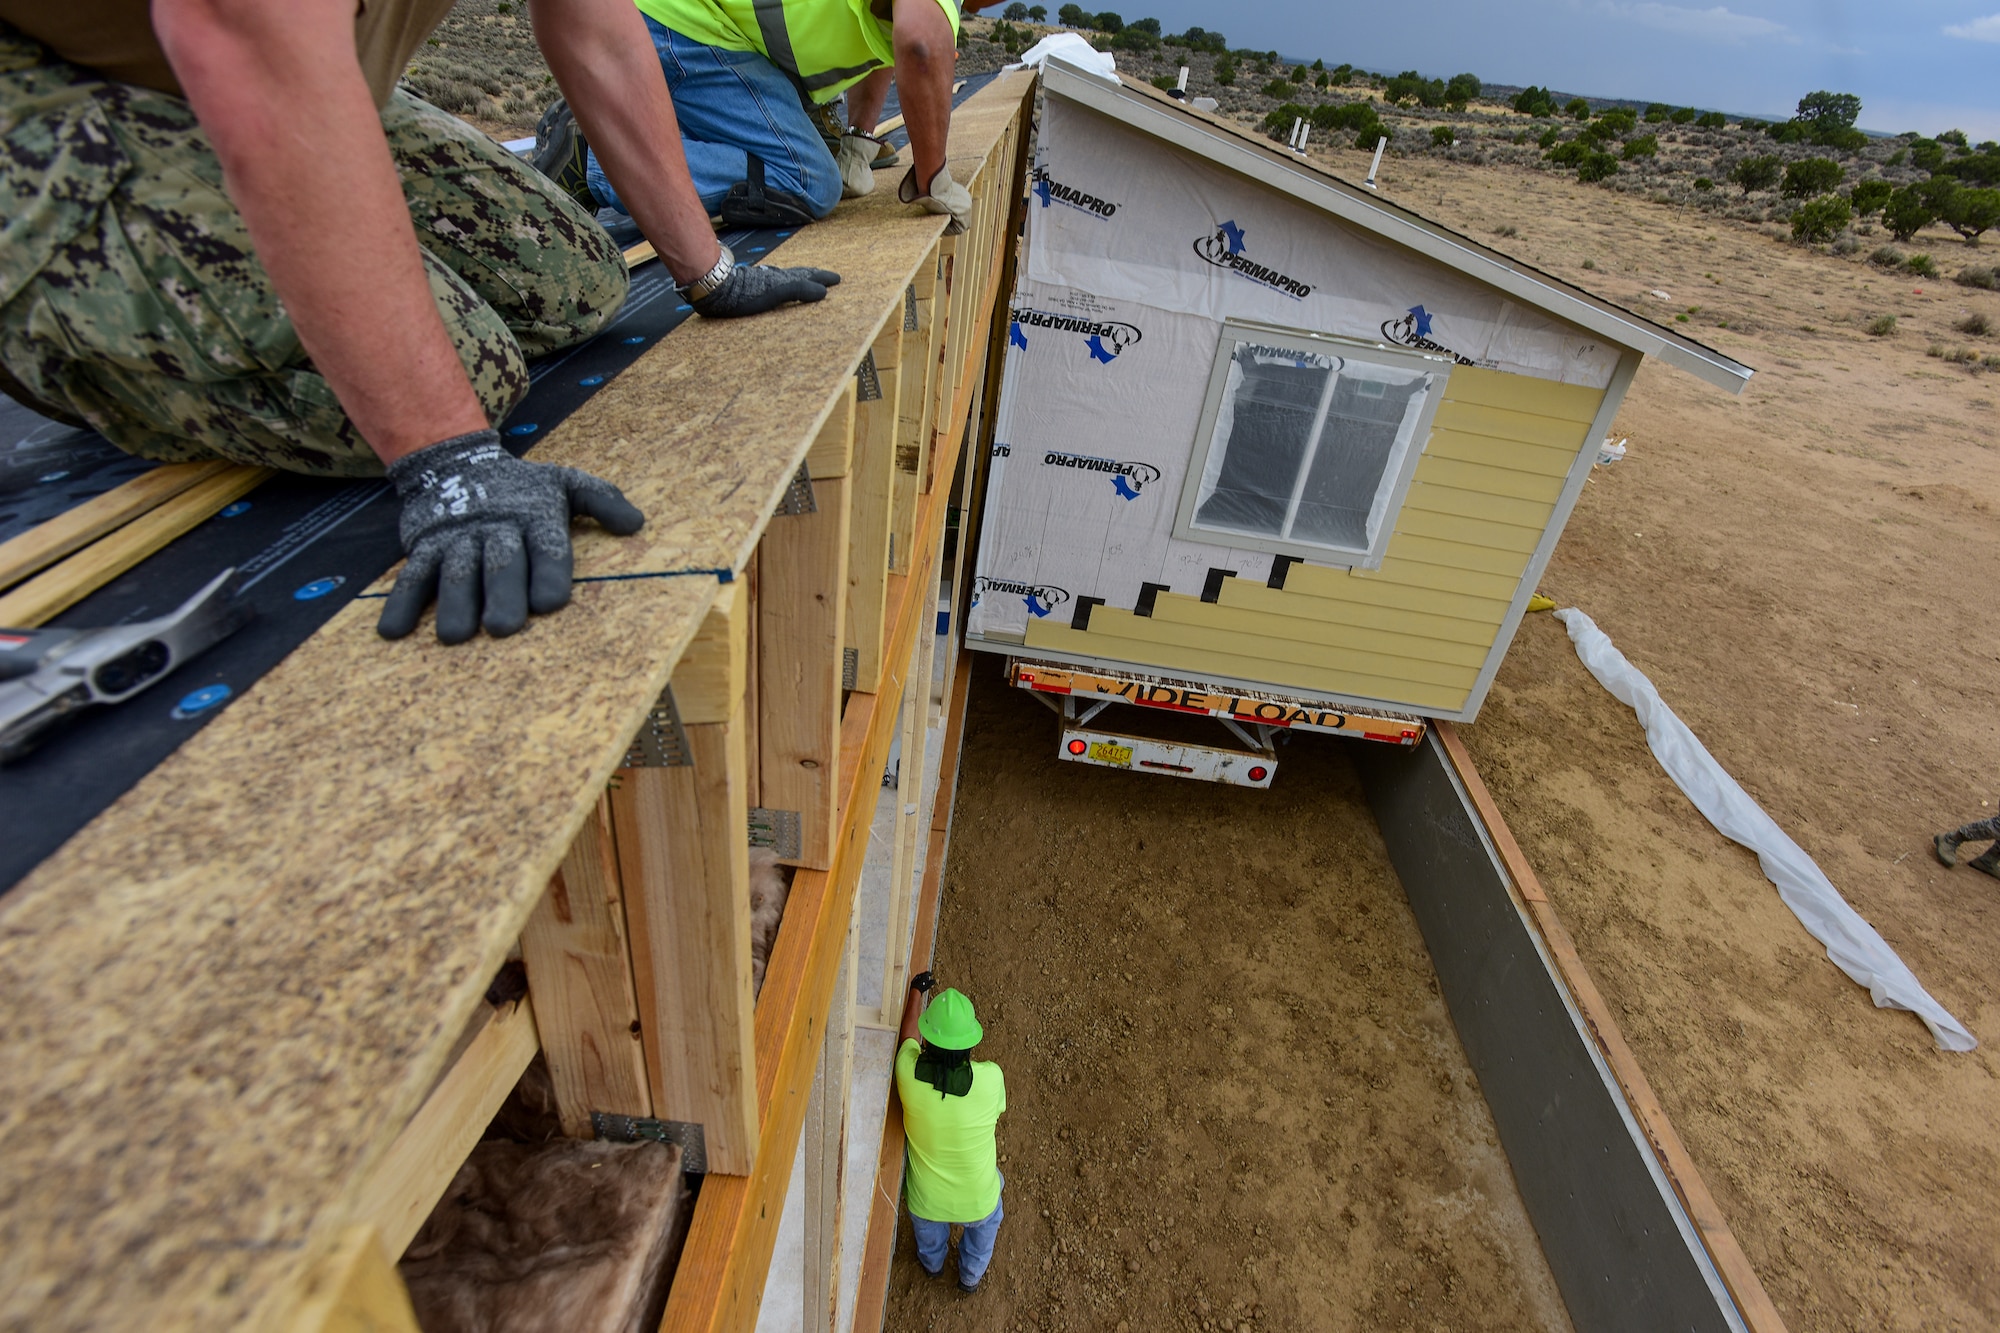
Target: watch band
x: 710, y: 282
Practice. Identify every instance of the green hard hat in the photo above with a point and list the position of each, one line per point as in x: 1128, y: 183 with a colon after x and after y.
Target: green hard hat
x: 949, y: 1022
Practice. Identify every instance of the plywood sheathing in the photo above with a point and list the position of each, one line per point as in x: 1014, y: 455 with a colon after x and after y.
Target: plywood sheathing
x: 227, y: 994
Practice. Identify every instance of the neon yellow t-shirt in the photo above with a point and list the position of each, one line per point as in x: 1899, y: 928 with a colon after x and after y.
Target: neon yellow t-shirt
x: 954, y: 1172
x: 834, y: 43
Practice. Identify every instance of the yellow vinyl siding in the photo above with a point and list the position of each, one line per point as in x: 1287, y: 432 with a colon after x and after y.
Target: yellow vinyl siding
x: 1417, y: 631
x: 1317, y: 640
x: 1269, y: 605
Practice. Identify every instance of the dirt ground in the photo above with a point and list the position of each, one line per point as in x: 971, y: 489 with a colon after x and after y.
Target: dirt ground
x: 1235, y: 1100
x: 1796, y: 570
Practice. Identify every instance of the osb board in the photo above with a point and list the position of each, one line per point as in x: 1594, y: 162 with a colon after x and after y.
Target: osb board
x: 226, y: 995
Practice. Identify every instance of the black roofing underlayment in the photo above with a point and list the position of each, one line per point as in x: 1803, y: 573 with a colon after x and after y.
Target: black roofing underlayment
x: 303, y: 549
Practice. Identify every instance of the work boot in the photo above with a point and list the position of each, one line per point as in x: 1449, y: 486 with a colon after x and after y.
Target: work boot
x: 1946, y: 846
x: 563, y: 156
x: 752, y: 205
x: 1988, y: 861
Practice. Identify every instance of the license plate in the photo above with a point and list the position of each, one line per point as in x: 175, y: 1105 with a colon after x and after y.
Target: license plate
x: 1104, y: 752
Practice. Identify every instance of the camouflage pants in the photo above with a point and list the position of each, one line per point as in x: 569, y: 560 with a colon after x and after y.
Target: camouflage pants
x: 131, y: 299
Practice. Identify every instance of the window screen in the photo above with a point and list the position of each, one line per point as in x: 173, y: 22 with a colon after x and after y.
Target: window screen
x: 1306, y: 445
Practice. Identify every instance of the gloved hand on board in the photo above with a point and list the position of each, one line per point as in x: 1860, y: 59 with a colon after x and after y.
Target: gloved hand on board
x: 856, y: 160
x: 751, y: 289
x: 943, y: 195
x: 487, y: 535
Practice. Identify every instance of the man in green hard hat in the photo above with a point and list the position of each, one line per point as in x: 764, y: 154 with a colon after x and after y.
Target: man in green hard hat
x: 952, y: 1104
x: 757, y: 85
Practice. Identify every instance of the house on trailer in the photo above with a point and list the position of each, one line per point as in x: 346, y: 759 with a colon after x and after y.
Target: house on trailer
x: 1264, y: 432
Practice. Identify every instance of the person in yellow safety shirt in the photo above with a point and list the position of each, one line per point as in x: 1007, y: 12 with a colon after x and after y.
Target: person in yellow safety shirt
x: 952, y: 1105
x: 747, y: 77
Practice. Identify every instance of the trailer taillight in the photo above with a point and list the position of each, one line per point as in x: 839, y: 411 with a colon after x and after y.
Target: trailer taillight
x: 1259, y: 773
x: 1077, y: 747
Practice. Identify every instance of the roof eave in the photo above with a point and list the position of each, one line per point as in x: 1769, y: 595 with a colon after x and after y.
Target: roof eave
x: 1187, y: 128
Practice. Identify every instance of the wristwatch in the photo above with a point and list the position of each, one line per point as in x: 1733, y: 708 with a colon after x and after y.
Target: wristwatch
x: 710, y: 282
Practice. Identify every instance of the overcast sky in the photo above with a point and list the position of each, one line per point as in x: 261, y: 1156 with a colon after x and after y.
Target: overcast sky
x: 1922, y: 65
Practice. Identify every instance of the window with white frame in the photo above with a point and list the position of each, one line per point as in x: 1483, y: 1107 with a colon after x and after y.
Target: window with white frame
x: 1307, y: 444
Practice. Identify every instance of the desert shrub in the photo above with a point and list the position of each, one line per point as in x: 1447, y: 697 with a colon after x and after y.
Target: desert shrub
x: 1881, y: 326
x: 1279, y: 123
x: 1975, y: 324
x: 1441, y: 136
x: 1887, y: 256
x: 1324, y: 81
x: 1619, y: 120
x: 1956, y: 138
x: 1756, y: 173
x: 1015, y: 13
x: 1462, y: 88
x: 1704, y: 184
x: 1533, y: 101
x: 1590, y: 263
x: 1166, y: 82
x: 1657, y: 112
x: 1822, y: 219
x: 1277, y: 88
x: 1548, y: 138
x: 1225, y: 72
x: 1200, y: 39
x: 1811, y: 176
x: 1752, y: 126
x: 1372, y: 133
x: 1072, y: 16
x: 1989, y: 278
x: 1708, y: 120
x: 1922, y: 265
x: 1846, y: 243
x: 1905, y: 213
x: 1969, y: 211
x: 1788, y: 131
x: 1570, y: 153
x: 1108, y: 22
x: 1577, y: 108
x: 1136, y: 40
x: 1981, y: 168
x: 1597, y: 166
x: 1869, y: 196
x: 1506, y: 229
x: 1646, y: 145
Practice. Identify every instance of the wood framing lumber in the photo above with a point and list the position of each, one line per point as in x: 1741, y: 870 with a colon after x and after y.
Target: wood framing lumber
x: 833, y: 449
x: 879, y: 1243
x: 915, y: 733
x: 684, y: 854
x: 913, y: 419
x: 46, y: 543
x: 873, y: 471
x: 801, y: 606
x: 61, y: 586
x: 414, y: 1174
x: 279, y: 934
x: 580, y: 975
x: 713, y: 673
x: 826, y: 1150
x: 1752, y: 1301
x: 354, y: 1289
x: 728, y: 1253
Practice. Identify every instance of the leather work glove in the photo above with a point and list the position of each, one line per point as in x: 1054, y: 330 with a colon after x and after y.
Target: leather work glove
x: 856, y: 160
x: 945, y: 195
x: 487, y: 534
x: 751, y: 289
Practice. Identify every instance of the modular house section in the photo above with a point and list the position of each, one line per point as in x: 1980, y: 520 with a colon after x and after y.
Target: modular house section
x: 1259, y: 428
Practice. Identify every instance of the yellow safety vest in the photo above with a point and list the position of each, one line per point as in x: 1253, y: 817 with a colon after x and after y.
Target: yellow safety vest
x: 825, y: 46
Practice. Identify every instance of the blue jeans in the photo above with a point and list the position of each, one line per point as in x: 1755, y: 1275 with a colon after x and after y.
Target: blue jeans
x: 731, y: 104
x: 975, y: 1247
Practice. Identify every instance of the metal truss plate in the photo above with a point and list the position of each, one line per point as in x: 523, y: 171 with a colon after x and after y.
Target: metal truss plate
x: 631, y: 1129
x: 910, y: 308
x: 798, y: 497
x: 661, y: 742
x: 868, y: 379
x: 850, y: 667
x: 779, y: 830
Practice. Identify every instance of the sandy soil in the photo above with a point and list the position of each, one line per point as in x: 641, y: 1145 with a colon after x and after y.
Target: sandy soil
x: 1797, y: 570
x: 1235, y: 1098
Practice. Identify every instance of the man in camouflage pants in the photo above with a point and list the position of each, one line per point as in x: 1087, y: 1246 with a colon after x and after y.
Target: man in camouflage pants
x: 1979, y: 830
x: 136, y: 304
x: 225, y: 233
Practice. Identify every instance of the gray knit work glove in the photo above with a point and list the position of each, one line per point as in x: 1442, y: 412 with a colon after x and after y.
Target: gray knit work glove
x: 488, y: 535
x: 751, y: 289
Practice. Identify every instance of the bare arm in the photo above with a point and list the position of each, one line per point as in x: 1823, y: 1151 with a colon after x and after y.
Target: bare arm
x: 913, y: 1009
x: 865, y: 99
x: 280, y: 94
x: 926, y: 55
x: 604, y: 62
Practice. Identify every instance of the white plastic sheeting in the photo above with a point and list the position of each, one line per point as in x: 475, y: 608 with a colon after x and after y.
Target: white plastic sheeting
x: 1072, y: 50
x: 1852, y: 944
